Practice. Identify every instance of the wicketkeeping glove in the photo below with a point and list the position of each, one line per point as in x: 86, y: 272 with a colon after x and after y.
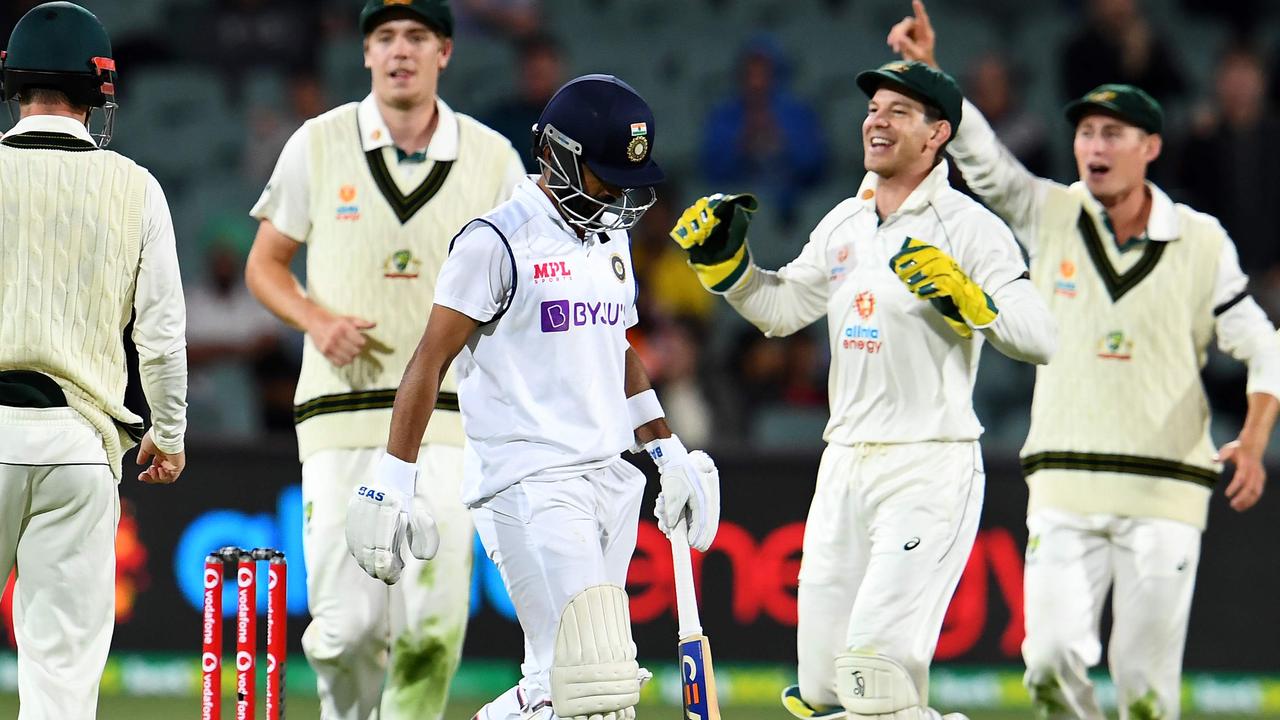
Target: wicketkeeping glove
x: 935, y: 276
x: 382, y: 514
x: 714, y: 232
x: 690, y: 489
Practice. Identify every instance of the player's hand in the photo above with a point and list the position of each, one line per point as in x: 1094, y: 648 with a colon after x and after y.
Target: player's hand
x: 690, y: 489
x: 913, y: 37
x: 935, y: 276
x: 340, y: 337
x: 161, y: 468
x: 714, y: 232
x: 383, y: 514
x: 1250, y: 478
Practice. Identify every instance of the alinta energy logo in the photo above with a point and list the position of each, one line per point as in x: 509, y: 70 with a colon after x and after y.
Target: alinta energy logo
x: 560, y: 315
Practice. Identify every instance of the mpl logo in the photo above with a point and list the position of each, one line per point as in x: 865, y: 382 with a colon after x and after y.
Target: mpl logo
x: 553, y: 271
x: 560, y: 315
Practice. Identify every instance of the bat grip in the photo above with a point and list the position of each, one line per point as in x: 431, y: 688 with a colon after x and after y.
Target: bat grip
x: 686, y: 598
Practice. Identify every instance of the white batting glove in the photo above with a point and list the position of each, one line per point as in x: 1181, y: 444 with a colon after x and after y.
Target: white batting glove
x: 382, y: 514
x: 690, y: 489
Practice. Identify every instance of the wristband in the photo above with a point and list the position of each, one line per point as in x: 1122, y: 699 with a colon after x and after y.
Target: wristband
x: 397, y: 475
x: 643, y: 407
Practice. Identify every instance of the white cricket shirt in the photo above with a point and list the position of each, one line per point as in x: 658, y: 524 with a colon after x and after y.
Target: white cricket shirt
x: 541, y: 381
x: 899, y: 373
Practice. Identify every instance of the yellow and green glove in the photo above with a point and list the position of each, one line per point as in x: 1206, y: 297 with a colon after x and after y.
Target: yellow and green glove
x: 714, y: 233
x: 935, y: 276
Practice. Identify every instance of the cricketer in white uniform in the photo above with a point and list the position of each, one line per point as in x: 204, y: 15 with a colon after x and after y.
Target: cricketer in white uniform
x: 537, y: 296
x: 375, y: 190
x: 900, y: 485
x: 1118, y: 460
x: 85, y: 242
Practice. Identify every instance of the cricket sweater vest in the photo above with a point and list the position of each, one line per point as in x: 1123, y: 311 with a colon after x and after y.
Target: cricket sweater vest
x: 71, y: 224
x: 374, y: 252
x: 1119, y: 420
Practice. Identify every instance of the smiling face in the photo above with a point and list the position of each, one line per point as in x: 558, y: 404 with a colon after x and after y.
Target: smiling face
x: 1112, y: 156
x: 898, y: 136
x: 405, y: 58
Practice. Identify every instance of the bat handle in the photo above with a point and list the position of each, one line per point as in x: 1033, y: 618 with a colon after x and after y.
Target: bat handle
x: 686, y: 598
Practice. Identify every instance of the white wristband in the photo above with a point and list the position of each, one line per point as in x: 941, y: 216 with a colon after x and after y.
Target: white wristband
x: 397, y: 475
x: 643, y: 407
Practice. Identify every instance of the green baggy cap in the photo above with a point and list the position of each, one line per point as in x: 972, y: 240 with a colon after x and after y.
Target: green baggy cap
x: 1124, y: 102
x: 434, y: 13
x: 928, y: 84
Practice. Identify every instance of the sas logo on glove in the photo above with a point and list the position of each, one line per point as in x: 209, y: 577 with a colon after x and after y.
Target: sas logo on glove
x: 371, y: 493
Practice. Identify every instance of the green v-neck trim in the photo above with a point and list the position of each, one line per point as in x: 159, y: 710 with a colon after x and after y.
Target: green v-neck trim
x: 1117, y: 283
x: 404, y: 206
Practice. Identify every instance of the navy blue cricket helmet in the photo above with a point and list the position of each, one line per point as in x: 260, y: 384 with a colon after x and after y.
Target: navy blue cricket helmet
x: 601, y: 122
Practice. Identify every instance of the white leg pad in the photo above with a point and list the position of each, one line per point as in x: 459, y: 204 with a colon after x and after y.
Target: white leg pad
x: 594, y: 673
x: 870, y: 685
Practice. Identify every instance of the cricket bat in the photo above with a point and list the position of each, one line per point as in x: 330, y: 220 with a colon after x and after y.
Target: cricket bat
x: 697, y: 679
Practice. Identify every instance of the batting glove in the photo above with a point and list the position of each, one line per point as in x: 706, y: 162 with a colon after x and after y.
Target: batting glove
x: 714, y: 232
x: 690, y: 490
x: 382, y: 514
x: 935, y: 276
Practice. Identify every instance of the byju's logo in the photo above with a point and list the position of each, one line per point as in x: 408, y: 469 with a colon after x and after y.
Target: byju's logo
x: 560, y: 315
x: 555, y: 316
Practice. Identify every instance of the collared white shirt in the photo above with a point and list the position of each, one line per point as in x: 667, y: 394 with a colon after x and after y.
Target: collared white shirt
x: 541, y: 381
x: 899, y: 373
x: 290, y: 187
x: 159, y: 327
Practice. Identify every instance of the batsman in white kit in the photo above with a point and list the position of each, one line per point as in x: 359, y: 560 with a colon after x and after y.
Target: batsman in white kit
x: 375, y: 190
x: 913, y: 277
x: 86, y: 242
x: 536, y: 296
x: 1119, y: 461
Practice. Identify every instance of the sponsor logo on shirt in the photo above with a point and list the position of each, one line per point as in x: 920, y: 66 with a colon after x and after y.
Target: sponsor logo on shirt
x: 1115, y: 346
x: 838, y: 267
x: 865, y: 304
x: 347, y: 210
x: 553, y: 271
x: 560, y: 315
x: 401, y: 264
x: 1065, y: 285
x: 863, y: 336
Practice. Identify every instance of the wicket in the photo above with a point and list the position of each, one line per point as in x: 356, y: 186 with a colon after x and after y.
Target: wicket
x: 246, y: 657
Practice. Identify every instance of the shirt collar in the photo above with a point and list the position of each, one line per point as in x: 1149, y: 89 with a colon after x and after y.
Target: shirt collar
x: 54, y: 124
x: 374, y: 134
x: 919, y: 198
x: 528, y: 192
x: 1162, y: 224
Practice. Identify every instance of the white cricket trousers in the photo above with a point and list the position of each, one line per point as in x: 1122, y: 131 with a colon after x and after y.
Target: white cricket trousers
x: 58, y: 513
x: 888, y: 535
x: 364, y: 631
x: 550, y: 541
x: 1073, y: 560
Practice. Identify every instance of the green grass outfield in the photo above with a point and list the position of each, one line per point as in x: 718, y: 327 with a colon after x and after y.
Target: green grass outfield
x: 303, y: 707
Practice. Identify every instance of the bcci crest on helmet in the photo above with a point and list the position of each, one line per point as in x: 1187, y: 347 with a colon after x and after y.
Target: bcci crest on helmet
x: 638, y: 148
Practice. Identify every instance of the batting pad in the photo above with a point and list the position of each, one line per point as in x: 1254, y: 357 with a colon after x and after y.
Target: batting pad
x: 871, y: 685
x: 594, y: 672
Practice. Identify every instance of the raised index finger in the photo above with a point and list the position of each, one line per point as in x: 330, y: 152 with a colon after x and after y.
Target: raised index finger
x: 922, y: 15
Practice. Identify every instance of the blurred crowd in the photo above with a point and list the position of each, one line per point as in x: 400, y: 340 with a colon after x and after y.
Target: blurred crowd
x: 750, y: 94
